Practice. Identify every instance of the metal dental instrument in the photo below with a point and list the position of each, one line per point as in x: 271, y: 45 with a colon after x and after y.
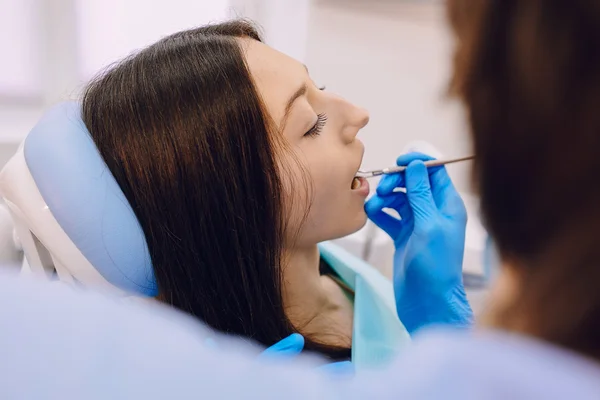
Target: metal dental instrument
x: 395, y: 170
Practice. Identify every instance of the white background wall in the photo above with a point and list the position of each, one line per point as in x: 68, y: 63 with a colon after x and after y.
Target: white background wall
x: 109, y: 30
x: 394, y: 59
x: 50, y: 48
x: 391, y: 57
x: 20, y: 72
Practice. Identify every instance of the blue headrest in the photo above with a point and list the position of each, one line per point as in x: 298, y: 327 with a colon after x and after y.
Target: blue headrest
x: 86, y: 201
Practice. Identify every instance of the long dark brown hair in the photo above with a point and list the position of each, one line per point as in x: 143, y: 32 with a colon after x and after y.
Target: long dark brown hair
x: 183, y: 129
x: 528, y: 72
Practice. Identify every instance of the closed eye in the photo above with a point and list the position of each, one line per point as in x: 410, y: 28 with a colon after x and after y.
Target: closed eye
x: 318, y: 126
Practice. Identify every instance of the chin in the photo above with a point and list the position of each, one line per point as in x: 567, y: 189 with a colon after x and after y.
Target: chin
x: 361, y: 221
x: 332, y: 227
x: 352, y: 224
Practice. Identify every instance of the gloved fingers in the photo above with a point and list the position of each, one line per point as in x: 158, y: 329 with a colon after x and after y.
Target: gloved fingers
x: 289, y: 347
x: 418, y: 191
x: 454, y: 207
x: 443, y: 191
x: 399, y: 202
x: 389, y: 182
x: 398, y: 230
x: 446, y: 197
x: 442, y: 187
x: 374, y: 209
x: 407, y: 158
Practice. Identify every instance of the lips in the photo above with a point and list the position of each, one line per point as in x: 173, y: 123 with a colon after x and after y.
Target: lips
x: 356, y: 182
x: 361, y: 186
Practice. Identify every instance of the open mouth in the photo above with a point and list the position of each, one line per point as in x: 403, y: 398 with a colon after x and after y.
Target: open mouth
x: 359, y: 184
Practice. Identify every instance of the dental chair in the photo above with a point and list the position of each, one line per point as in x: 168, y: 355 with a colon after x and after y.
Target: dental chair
x: 71, y: 218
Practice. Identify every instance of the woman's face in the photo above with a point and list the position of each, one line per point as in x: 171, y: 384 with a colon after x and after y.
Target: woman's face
x: 320, y: 128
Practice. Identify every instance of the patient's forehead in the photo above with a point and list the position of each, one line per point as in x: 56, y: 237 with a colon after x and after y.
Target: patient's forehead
x: 276, y: 75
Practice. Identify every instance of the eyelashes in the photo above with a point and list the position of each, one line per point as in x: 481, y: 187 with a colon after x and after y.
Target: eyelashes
x: 318, y: 126
x: 321, y: 121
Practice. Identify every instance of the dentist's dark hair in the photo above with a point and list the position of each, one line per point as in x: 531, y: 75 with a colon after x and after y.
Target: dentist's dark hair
x: 184, y: 132
x: 528, y: 72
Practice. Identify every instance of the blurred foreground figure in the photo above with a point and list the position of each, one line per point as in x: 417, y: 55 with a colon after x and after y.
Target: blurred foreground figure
x: 56, y: 343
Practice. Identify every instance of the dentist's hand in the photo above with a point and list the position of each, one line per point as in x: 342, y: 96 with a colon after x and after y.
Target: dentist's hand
x: 429, y: 243
x: 291, y: 347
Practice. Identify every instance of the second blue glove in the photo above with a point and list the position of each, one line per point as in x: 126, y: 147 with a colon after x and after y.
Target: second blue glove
x: 429, y: 241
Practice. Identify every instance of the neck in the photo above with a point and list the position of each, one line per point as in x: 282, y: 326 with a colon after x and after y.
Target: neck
x: 303, y: 291
x: 315, y: 304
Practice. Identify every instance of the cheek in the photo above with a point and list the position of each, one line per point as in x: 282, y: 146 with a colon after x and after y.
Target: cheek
x: 297, y: 189
x: 318, y: 202
x: 335, y: 210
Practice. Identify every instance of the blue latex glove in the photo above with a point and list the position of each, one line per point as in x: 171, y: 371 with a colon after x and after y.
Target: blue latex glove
x: 292, y: 346
x: 429, y: 241
x: 289, y: 347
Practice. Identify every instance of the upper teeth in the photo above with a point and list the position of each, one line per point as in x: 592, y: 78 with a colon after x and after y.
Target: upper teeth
x: 355, y: 183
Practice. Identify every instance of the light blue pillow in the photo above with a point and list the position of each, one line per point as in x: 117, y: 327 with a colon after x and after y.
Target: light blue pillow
x: 86, y: 201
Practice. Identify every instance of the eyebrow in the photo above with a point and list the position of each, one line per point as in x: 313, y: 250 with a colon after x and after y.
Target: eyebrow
x: 288, y: 108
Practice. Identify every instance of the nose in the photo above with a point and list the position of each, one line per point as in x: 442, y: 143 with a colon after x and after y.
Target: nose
x: 358, y: 118
x: 362, y: 117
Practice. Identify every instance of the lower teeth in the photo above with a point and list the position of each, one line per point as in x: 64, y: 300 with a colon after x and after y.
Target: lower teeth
x: 355, y: 183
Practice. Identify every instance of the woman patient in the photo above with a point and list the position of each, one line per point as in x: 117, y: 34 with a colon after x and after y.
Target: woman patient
x: 237, y: 165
